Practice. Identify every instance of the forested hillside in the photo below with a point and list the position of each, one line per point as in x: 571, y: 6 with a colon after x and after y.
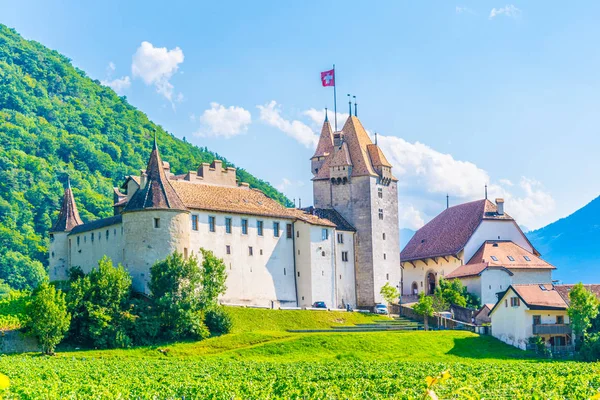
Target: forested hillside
x: 54, y: 122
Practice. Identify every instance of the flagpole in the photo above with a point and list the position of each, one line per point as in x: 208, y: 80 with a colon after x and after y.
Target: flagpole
x: 334, y: 99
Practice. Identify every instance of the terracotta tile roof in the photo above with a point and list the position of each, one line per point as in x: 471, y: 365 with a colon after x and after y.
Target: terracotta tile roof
x: 469, y: 270
x: 158, y: 194
x: 448, y: 233
x: 331, y: 215
x: 325, y: 145
x: 564, y: 290
x: 377, y: 157
x: 310, y: 218
x: 502, y: 250
x: 230, y: 199
x: 99, y: 223
x: 540, y: 296
x: 341, y: 157
x: 68, y: 218
x: 357, y: 140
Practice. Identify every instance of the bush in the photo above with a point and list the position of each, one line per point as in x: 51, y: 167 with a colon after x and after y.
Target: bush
x: 539, y: 345
x: 47, y: 317
x: 590, y: 348
x: 218, y: 321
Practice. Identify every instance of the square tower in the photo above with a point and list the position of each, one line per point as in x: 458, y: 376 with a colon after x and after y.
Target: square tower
x: 356, y: 180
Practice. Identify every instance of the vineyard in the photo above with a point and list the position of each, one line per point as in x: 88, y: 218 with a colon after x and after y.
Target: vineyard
x: 261, y: 360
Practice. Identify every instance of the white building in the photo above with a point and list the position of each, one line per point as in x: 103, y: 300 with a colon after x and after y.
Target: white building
x: 475, y: 242
x: 540, y: 310
x: 275, y: 256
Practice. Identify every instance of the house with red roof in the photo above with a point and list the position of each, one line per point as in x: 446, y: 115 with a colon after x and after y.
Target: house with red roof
x: 476, y: 242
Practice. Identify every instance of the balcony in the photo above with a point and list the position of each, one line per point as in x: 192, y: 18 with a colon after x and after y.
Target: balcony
x: 552, y: 329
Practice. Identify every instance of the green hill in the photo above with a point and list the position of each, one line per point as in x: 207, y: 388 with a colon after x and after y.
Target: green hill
x: 55, y: 121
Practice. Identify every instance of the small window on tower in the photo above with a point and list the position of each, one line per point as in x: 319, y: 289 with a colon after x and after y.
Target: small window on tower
x: 344, y: 256
x: 78, y: 240
x: 211, y: 223
x: 381, y: 213
x: 250, y: 251
x: 340, y: 238
x: 228, y: 249
x: 289, y: 232
x: 384, y: 256
x: 384, y: 236
x: 380, y: 193
x: 194, y: 222
x: 157, y: 222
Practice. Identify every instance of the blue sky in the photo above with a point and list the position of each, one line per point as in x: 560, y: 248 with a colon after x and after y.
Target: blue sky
x: 461, y: 93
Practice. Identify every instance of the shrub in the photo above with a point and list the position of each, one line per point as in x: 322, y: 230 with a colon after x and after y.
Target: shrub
x: 47, y: 317
x: 218, y: 321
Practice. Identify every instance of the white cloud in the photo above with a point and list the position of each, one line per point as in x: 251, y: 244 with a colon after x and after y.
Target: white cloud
x: 270, y: 113
x: 111, y: 68
x: 226, y: 122
x: 155, y: 66
x: 508, y: 11
x: 426, y: 176
x: 464, y: 10
x: 119, y: 84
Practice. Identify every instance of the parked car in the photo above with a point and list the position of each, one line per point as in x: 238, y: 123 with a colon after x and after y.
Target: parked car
x: 381, y: 309
x: 319, y: 304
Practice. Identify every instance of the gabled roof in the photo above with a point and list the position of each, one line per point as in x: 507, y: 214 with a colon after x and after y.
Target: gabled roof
x: 68, y: 218
x: 158, y: 194
x: 325, y: 145
x: 341, y: 157
x: 497, y: 253
x: 377, y: 156
x: 310, y: 218
x: 448, y: 233
x: 565, y: 289
x: 536, y: 297
x: 331, y: 215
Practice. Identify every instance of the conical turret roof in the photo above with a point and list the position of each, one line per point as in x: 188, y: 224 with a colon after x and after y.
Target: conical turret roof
x: 158, y: 194
x: 325, y: 145
x: 68, y: 218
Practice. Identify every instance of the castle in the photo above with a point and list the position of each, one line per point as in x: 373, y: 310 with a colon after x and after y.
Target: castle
x: 341, y: 251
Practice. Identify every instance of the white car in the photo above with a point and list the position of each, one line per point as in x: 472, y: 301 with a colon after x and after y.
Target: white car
x: 381, y: 309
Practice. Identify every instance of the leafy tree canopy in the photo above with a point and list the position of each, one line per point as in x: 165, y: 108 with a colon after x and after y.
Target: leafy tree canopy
x: 583, y: 308
x: 47, y: 317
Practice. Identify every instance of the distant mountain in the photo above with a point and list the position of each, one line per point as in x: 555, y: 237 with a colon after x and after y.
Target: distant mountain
x: 57, y: 122
x: 405, y: 236
x: 572, y: 245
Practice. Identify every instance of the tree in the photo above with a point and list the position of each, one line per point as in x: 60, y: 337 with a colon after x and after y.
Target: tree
x: 439, y: 304
x: 389, y: 294
x: 47, y: 317
x: 20, y: 272
x: 213, y: 277
x: 582, y: 309
x: 98, y: 302
x: 424, y: 307
x: 453, y: 292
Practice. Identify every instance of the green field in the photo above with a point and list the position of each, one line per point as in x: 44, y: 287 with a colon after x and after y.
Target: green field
x: 261, y: 360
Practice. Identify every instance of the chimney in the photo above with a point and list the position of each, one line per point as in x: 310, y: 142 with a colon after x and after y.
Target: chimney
x: 500, y: 205
x: 143, y: 176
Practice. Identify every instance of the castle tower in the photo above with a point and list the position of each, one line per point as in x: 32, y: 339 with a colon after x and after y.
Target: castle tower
x: 356, y: 180
x: 324, y: 147
x: 68, y: 218
x: 155, y: 223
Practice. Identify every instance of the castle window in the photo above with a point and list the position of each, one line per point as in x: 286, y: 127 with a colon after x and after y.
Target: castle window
x: 381, y: 213
x: 78, y: 240
x: 92, y: 237
x: 288, y: 231
x: 250, y: 251
x: 228, y: 249
x: 244, y: 226
x: 156, y: 223
x: 227, y: 225
x: 323, y: 253
x: 194, y: 222
x: 51, y: 237
x: 211, y: 223
x: 384, y: 256
x: 325, y: 234
x: 85, y: 239
x: 383, y: 236
x: 387, y: 277
x: 380, y: 193
x: 322, y: 273
x: 284, y: 272
x: 107, y: 233
x: 276, y: 229
x: 259, y: 227
x: 115, y: 232
x: 297, y: 234
x: 340, y: 238
x: 299, y: 277
x: 52, y: 254
x: 344, y: 256
x: 261, y: 253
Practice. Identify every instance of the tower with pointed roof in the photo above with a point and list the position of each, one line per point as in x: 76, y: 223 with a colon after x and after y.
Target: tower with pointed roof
x: 155, y: 223
x: 352, y: 176
x: 68, y: 218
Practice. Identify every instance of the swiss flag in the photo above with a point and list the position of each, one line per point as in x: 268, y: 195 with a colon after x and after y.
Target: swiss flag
x: 328, y: 78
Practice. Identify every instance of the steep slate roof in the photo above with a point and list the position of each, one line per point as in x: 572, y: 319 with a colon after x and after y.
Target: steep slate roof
x: 502, y: 249
x: 325, y: 145
x: 449, y: 232
x: 158, y: 194
x: 330, y: 214
x: 99, y: 223
x: 231, y: 199
x: 68, y: 218
x: 377, y: 156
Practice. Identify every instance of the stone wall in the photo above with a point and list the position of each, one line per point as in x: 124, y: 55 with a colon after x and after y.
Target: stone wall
x: 17, y: 342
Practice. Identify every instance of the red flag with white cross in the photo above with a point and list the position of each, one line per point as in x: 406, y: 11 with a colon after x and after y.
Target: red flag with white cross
x: 328, y: 78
